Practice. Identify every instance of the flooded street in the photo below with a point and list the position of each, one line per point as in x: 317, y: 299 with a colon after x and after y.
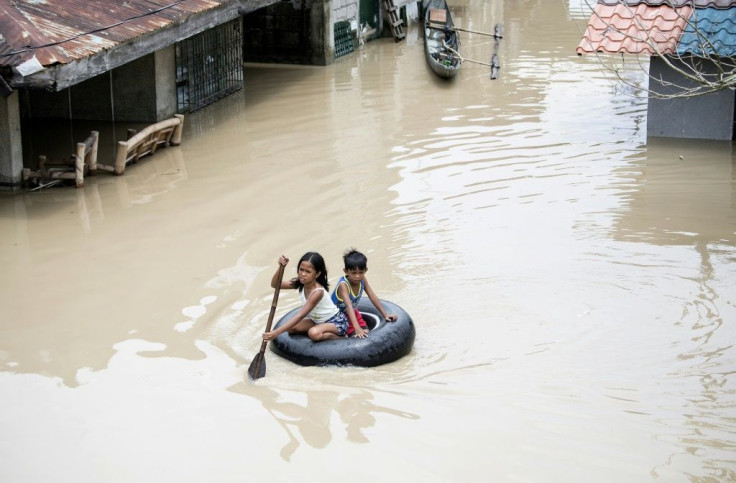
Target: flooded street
x: 571, y: 281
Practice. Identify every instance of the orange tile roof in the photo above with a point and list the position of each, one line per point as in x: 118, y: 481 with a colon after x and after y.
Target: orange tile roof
x: 634, y: 29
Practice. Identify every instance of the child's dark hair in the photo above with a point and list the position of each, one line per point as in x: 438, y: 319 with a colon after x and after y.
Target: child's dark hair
x: 319, y: 265
x: 355, y: 260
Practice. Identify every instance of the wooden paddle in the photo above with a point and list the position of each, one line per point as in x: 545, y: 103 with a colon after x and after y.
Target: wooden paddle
x: 257, y: 368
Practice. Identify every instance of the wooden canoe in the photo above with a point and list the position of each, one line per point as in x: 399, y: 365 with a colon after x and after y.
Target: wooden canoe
x: 441, y: 42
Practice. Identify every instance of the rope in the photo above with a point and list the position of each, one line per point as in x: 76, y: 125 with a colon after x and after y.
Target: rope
x: 462, y: 59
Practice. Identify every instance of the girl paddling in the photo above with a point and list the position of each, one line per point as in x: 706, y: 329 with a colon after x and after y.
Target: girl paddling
x: 318, y: 316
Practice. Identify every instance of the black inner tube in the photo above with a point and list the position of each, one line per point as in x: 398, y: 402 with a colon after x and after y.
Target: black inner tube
x: 386, y: 342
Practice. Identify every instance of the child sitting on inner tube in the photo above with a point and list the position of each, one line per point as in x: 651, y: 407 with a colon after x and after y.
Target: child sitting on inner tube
x: 350, y: 289
x: 318, y: 316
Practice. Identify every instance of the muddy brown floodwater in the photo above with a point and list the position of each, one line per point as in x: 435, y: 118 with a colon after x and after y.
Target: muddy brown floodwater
x: 572, y: 282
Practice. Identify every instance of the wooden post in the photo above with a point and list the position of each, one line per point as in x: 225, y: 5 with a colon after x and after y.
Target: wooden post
x: 42, y: 165
x: 120, y: 157
x: 79, y: 165
x: 176, y: 137
x: 93, y: 152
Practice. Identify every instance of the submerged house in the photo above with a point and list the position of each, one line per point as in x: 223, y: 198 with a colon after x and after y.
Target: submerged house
x: 145, y: 60
x: 690, y: 44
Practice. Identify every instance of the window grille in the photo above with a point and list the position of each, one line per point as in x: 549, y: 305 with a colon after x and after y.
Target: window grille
x: 343, y: 39
x: 209, y: 66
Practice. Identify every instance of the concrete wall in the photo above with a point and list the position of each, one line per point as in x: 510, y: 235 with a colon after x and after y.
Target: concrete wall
x: 165, y: 72
x: 140, y: 91
x: 709, y: 116
x: 11, y: 154
x: 346, y: 10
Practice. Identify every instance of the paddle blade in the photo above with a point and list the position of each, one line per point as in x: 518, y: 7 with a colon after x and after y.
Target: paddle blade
x: 257, y: 368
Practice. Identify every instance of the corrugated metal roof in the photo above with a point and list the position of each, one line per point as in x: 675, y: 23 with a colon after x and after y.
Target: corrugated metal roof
x: 717, y: 29
x: 634, y: 29
x: 61, y: 31
x: 722, y: 4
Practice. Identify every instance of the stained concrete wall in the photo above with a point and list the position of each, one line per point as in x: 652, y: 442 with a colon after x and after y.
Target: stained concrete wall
x: 11, y: 154
x: 710, y: 116
x: 165, y: 73
x: 346, y: 10
x: 140, y: 91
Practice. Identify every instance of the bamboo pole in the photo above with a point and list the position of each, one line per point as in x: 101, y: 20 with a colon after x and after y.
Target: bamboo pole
x: 477, y: 62
x: 494, y: 35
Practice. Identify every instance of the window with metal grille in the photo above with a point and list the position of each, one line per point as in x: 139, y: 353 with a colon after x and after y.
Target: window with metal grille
x: 209, y: 66
x: 343, y: 39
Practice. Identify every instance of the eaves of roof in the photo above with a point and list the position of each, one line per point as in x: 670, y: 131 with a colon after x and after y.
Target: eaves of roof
x: 55, y: 44
x: 62, y: 31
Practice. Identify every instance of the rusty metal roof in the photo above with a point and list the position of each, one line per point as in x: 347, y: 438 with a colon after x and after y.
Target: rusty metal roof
x: 61, y: 31
x: 634, y: 29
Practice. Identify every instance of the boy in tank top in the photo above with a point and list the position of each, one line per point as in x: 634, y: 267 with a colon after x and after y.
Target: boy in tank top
x: 350, y: 289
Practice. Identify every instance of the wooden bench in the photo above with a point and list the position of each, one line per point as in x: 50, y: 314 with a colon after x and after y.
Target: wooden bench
x: 164, y: 133
x: 73, y: 168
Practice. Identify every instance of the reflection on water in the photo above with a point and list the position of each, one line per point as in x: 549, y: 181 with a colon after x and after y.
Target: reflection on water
x: 571, y: 280
x: 681, y: 193
x: 684, y: 196
x: 312, y: 420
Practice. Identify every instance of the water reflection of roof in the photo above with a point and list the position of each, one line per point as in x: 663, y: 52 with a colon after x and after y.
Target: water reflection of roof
x: 661, y: 27
x: 680, y: 192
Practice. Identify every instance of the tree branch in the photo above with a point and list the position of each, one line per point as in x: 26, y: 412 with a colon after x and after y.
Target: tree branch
x: 691, y: 67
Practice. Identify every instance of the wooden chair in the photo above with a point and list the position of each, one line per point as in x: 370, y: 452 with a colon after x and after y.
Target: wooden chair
x: 73, y: 168
x: 165, y: 133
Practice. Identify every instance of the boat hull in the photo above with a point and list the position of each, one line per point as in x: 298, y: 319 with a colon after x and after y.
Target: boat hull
x: 441, y: 42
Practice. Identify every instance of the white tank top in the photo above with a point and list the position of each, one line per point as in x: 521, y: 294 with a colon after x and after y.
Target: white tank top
x: 324, y: 310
